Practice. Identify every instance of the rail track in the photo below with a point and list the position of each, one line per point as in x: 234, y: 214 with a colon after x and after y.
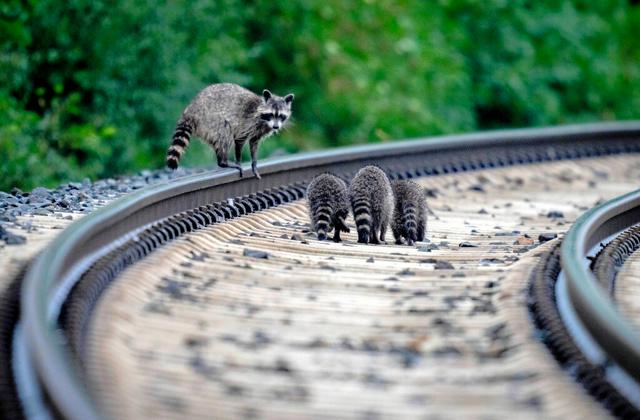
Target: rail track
x: 81, y: 349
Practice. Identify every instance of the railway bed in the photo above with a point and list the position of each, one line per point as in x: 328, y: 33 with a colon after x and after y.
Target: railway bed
x: 234, y: 309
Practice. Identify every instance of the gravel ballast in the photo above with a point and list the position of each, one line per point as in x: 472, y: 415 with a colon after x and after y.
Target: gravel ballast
x: 73, y: 197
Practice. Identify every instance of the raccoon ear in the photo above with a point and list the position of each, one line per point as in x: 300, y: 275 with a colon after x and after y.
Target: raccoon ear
x: 288, y: 99
x: 266, y: 95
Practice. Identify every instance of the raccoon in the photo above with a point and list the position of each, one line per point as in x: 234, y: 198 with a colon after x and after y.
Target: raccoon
x: 225, y: 114
x: 372, y: 203
x: 328, y: 205
x: 410, y: 213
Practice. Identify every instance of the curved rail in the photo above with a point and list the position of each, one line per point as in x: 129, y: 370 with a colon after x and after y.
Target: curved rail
x: 590, y: 300
x: 58, y: 268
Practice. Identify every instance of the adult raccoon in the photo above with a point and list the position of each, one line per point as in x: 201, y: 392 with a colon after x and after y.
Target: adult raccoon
x: 226, y: 114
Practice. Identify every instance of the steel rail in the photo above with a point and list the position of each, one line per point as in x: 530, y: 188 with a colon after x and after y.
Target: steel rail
x: 591, y: 302
x: 56, y: 269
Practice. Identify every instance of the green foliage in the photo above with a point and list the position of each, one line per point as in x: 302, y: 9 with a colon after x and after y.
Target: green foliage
x: 555, y: 62
x: 94, y: 88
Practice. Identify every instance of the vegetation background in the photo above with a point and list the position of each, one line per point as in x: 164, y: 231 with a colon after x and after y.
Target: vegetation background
x: 93, y: 88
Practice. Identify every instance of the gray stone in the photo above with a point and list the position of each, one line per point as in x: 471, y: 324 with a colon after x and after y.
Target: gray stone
x: 255, y: 253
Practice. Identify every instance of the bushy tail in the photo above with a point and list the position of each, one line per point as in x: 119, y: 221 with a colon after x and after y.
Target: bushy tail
x: 322, y: 218
x: 362, y: 216
x: 179, y: 142
x: 410, y: 222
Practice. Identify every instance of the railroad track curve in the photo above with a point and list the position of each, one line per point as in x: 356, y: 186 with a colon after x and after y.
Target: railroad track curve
x: 64, y: 289
x: 574, y: 301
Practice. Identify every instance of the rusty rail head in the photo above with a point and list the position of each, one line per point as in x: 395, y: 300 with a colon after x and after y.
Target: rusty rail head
x: 57, y: 268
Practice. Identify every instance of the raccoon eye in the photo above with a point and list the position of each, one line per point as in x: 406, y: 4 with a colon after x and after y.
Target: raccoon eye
x: 267, y: 116
x: 282, y: 117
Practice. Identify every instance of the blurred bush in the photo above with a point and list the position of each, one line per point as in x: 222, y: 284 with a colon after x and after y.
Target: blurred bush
x: 94, y: 88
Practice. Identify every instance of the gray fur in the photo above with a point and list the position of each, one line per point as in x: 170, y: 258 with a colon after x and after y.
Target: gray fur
x: 410, y: 213
x: 328, y: 205
x: 226, y: 114
x: 372, y: 203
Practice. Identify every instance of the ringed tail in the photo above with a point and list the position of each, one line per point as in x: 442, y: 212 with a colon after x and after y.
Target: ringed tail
x: 409, y: 221
x: 179, y: 142
x: 322, y: 221
x: 362, y: 217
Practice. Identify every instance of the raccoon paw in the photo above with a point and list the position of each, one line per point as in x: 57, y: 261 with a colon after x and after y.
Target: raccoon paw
x: 254, y: 168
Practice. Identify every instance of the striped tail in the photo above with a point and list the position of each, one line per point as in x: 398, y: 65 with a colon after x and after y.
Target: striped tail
x: 322, y: 221
x: 410, y: 222
x: 179, y: 142
x: 362, y: 216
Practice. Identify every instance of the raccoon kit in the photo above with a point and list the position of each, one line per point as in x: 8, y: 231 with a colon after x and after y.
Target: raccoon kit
x: 328, y: 205
x: 226, y: 114
x: 372, y: 203
x: 409, y: 214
